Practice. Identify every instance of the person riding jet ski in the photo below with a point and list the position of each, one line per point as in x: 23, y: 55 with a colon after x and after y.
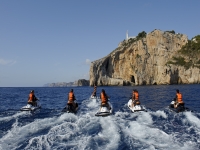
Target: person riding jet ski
x: 104, y: 99
x: 135, y: 98
x: 71, y: 98
x: 94, y: 94
x: 32, y: 98
x: 71, y: 106
x: 178, y: 100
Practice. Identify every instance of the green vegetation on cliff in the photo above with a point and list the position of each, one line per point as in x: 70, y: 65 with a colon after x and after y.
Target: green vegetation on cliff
x: 141, y: 35
x: 125, y: 43
x: 137, y: 38
x: 189, y: 54
x: 180, y: 61
x: 173, y: 32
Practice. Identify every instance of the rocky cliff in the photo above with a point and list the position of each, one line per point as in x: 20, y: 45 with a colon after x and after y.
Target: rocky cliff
x: 83, y: 82
x: 144, y: 61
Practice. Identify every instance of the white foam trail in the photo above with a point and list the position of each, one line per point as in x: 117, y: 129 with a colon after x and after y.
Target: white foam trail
x: 18, y: 133
x: 152, y: 137
x: 125, y: 115
x: 56, y: 135
x: 13, y: 116
x: 86, y: 131
x: 142, y: 132
x: 160, y: 113
x: 192, y: 119
x: 110, y: 133
x: 96, y: 133
x: 144, y: 118
x: 92, y: 103
x: 89, y: 107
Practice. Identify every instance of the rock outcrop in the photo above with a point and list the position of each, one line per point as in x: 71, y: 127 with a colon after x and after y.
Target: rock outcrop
x: 144, y: 62
x: 83, y: 82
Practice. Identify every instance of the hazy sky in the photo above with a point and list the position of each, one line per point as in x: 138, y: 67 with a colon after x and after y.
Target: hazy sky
x: 45, y: 41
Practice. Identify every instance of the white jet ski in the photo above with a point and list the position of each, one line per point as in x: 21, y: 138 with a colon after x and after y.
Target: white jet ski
x: 136, y: 107
x: 104, y: 111
x: 30, y: 107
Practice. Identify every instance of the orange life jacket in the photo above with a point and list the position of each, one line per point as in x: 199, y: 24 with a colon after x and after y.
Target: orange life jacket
x: 104, y: 98
x: 179, y: 98
x: 136, y: 95
x: 31, y: 97
x: 71, y: 97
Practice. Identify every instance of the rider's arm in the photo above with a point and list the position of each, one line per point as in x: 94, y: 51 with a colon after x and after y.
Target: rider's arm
x: 107, y: 97
x: 34, y: 98
x: 176, y: 98
x: 133, y: 96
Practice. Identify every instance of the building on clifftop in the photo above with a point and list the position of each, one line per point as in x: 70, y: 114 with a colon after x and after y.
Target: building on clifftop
x: 127, y: 37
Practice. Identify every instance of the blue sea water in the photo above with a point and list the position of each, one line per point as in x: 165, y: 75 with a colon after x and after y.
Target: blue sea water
x: 48, y: 128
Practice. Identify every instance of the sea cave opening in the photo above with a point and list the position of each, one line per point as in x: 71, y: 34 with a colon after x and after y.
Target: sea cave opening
x: 132, y: 79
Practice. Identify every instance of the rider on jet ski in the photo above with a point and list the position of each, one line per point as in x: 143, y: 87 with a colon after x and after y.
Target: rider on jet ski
x: 178, y: 99
x: 104, y: 99
x: 71, y: 98
x: 32, y: 99
x: 95, y: 91
x: 135, y: 98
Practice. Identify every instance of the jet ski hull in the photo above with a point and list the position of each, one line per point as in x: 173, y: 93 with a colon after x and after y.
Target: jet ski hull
x: 29, y: 107
x: 178, y: 109
x: 104, y: 111
x: 136, y: 108
x: 70, y: 109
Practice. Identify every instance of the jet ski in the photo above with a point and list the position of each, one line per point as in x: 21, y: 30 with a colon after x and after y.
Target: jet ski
x: 104, y: 111
x: 93, y: 97
x: 136, y: 107
x: 70, y: 108
x: 180, y: 108
x: 30, y: 107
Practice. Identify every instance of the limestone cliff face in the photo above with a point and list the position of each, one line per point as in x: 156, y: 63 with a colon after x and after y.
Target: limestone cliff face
x: 144, y: 62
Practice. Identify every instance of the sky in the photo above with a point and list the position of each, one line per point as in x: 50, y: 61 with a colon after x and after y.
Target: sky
x: 49, y: 41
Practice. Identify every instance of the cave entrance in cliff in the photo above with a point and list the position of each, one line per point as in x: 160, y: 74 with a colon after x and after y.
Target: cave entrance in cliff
x: 133, y: 79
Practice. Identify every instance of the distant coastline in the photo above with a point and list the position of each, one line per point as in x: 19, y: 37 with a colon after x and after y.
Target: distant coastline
x: 60, y: 84
x: 80, y: 82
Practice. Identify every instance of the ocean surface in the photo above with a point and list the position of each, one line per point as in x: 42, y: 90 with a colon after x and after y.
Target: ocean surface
x: 49, y: 129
